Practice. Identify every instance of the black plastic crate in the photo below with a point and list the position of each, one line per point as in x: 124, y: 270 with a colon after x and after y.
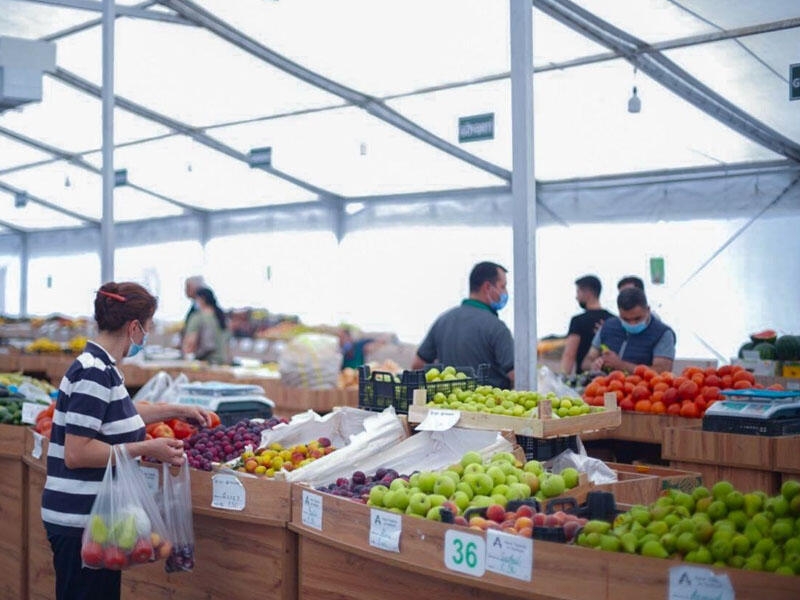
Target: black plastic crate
x: 231, y: 413
x: 748, y: 426
x: 545, y: 449
x: 378, y: 390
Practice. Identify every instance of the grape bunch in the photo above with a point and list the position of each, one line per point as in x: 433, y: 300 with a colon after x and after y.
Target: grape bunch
x: 358, y: 485
x: 224, y: 443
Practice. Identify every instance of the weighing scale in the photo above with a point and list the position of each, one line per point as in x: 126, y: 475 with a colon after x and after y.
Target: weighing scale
x: 755, y: 412
x: 231, y: 401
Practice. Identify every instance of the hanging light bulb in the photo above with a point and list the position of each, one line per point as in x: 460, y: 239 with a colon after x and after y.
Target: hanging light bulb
x: 363, y: 149
x: 634, y: 103
x: 189, y: 167
x: 67, y: 182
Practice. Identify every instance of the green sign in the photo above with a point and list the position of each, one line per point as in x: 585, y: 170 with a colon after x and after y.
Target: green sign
x: 657, y: 270
x: 476, y: 128
x: 794, y: 82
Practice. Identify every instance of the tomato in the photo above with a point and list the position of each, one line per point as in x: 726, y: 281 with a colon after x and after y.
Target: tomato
x: 46, y: 413
x: 45, y: 423
x: 163, y: 430
x: 92, y: 554
x: 46, y: 429
x: 689, y: 410
x: 214, y: 419
x: 674, y: 409
x: 182, y: 429
x: 114, y: 558
x: 142, y: 551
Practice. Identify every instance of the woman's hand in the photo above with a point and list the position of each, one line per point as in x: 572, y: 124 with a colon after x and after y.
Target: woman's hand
x: 167, y: 450
x: 194, y: 415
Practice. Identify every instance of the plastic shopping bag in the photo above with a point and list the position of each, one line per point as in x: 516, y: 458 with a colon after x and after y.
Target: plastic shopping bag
x: 125, y: 527
x: 154, y: 388
x: 177, y: 506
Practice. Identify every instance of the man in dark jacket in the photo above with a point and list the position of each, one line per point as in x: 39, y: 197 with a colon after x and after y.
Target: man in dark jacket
x: 634, y: 338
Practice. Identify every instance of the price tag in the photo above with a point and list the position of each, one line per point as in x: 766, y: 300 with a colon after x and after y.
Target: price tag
x: 36, y: 452
x: 30, y: 410
x: 312, y: 510
x: 696, y: 583
x: 385, y: 529
x: 510, y: 555
x: 227, y: 492
x: 150, y: 475
x: 439, y: 419
x: 465, y: 553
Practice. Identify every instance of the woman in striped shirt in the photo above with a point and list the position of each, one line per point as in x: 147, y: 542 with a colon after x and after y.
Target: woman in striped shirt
x: 93, y: 412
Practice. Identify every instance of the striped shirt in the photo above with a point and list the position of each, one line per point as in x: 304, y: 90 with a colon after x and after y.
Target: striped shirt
x: 92, y: 402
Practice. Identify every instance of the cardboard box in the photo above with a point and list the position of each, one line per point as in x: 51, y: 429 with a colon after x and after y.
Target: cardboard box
x: 758, y: 366
x: 791, y: 369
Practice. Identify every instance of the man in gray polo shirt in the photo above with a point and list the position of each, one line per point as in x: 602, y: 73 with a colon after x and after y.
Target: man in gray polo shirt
x: 472, y: 334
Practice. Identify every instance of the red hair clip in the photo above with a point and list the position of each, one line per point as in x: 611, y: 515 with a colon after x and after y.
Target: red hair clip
x: 112, y: 295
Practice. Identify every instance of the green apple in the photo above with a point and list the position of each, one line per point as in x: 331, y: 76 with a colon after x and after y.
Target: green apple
x: 474, y: 468
x: 437, y: 499
x: 427, y: 480
x: 497, y: 475
x: 444, y: 486
x: 399, y: 484
x: 503, y: 457
x: 570, y: 476
x: 461, y: 499
x: 419, y: 503
x: 553, y: 486
x: 531, y: 480
x: 481, y: 501
x: 500, y: 489
x: 376, y: 495
x: 481, y: 483
x: 518, y: 491
x: 466, y: 488
x: 431, y: 374
x: 533, y: 466
x: 434, y: 514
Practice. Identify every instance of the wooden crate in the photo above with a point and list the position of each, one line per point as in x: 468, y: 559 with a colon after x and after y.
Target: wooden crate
x: 9, y: 359
x: 57, y: 365
x: 787, y: 454
x: 35, y: 365
x: 728, y: 449
x: 236, y: 552
x: 743, y: 479
x: 12, y: 511
x: 668, y: 478
x: 299, y: 400
x: 631, y: 576
x: 338, y: 562
x: 40, y: 576
x: 539, y: 428
x: 632, y: 487
x: 643, y: 427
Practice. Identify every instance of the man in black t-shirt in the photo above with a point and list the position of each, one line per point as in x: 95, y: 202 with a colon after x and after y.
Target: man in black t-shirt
x: 582, y: 327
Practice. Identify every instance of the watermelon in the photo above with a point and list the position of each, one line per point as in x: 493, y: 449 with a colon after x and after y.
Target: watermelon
x: 768, y: 335
x: 747, y: 346
x: 766, y: 351
x: 787, y: 347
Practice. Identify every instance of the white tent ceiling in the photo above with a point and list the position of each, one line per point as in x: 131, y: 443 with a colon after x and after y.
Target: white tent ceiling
x: 360, y: 102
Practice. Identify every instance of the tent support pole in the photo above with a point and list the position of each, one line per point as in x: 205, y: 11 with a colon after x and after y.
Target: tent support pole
x: 24, y: 258
x: 107, y: 223
x: 524, y: 195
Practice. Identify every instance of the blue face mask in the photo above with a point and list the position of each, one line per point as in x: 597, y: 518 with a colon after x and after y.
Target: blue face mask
x: 634, y: 329
x: 135, y: 348
x: 499, y: 304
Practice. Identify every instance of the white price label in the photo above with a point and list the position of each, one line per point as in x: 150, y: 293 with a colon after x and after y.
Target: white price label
x: 385, y: 529
x: 30, y: 410
x: 150, y: 475
x: 465, y: 553
x: 439, y: 419
x: 227, y: 492
x: 36, y: 452
x: 510, y: 555
x: 312, y: 510
x: 697, y: 583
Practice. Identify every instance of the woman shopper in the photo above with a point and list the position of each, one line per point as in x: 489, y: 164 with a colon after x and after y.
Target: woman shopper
x: 93, y: 412
x: 206, y: 335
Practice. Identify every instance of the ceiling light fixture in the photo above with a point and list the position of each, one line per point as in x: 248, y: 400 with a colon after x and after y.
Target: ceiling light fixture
x: 634, y: 102
x: 20, y: 199
x: 67, y: 182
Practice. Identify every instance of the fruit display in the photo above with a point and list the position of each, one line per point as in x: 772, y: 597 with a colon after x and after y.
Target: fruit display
x: 127, y: 541
x: 274, y: 458
x: 770, y: 346
x: 16, y: 389
x: 448, y: 373
x: 722, y: 527
x: 348, y: 377
x: 512, y: 403
x: 44, y: 345
x: 19, y: 381
x: 687, y: 395
x: 527, y: 521
x: 224, y: 443
x: 472, y: 482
